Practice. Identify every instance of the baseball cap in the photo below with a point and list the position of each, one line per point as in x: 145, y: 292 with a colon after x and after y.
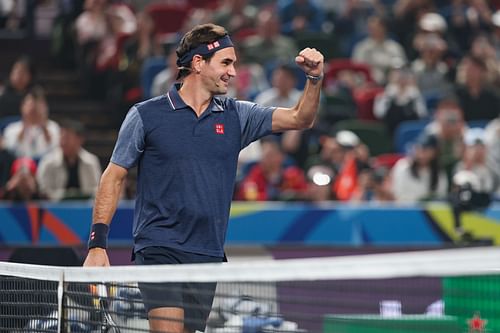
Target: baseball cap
x: 474, y: 136
x: 347, y: 139
x: 432, y: 22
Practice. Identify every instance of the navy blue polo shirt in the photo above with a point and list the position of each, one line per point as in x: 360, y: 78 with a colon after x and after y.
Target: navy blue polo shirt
x: 186, y: 168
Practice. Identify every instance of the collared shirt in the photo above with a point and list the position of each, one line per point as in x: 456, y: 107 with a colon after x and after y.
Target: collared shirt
x: 186, y: 168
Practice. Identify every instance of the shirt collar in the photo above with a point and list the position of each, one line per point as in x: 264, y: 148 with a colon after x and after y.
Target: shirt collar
x: 176, y: 102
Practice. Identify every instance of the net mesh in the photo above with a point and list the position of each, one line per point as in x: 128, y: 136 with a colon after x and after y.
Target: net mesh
x: 431, y: 291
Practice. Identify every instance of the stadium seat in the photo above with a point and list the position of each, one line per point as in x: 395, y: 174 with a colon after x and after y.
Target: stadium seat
x: 335, y: 66
x: 371, y: 133
x: 150, y: 68
x: 406, y: 133
x: 386, y: 160
x: 168, y: 17
x: 364, y: 98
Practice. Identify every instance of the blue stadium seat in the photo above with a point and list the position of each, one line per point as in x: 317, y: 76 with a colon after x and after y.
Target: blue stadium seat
x: 406, y: 133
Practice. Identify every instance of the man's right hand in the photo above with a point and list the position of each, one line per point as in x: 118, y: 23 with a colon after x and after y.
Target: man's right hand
x: 96, y: 257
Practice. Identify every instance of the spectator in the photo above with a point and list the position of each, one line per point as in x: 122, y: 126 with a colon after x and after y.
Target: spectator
x: 410, y: 17
x: 35, y: 134
x: 419, y: 177
x: 235, y: 16
x: 432, y: 73
x: 271, y: 179
x: 6, y: 160
x: 349, y: 163
x: 468, y: 19
x: 400, y: 101
x: 139, y: 47
x: 492, y: 141
x: 349, y: 20
x: 283, y: 93
x: 449, y: 128
x: 377, y: 50
x: 69, y: 171
x: 477, y: 100
x: 373, y: 185
x: 474, y: 160
x: 164, y: 79
x: 21, y: 186
x: 482, y: 48
x: 20, y: 80
x: 300, y: 16
x: 268, y: 45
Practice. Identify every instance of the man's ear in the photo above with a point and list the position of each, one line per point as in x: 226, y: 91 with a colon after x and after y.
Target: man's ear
x: 196, y: 63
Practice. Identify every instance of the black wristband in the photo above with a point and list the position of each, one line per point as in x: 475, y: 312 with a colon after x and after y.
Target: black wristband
x: 98, y: 236
x: 313, y: 78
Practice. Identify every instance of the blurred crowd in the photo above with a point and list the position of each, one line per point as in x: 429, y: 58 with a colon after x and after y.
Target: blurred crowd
x: 410, y: 104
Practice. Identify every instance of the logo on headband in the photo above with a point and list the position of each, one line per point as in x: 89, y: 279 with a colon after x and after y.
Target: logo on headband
x: 213, y: 45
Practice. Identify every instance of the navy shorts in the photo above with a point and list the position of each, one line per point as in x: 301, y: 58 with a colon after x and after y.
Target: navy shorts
x: 195, y: 298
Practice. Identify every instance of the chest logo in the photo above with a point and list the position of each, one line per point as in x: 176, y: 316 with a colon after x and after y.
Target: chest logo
x: 219, y: 128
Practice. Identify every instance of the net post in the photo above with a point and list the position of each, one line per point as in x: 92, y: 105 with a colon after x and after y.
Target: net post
x: 60, y: 296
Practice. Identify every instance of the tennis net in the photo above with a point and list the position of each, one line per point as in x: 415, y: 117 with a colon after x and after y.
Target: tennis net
x: 453, y: 290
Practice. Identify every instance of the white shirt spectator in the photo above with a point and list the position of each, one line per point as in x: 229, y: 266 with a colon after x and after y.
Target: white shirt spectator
x: 408, y: 189
x: 33, y: 143
x: 52, y: 174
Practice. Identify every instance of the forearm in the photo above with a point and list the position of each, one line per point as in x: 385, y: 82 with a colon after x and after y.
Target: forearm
x: 107, y: 197
x: 307, y: 107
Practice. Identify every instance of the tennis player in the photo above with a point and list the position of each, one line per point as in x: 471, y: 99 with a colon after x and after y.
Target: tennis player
x: 186, y: 145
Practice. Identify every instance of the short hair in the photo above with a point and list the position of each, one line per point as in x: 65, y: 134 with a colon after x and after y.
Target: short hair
x: 28, y: 63
x: 200, y: 34
x: 74, y: 126
x: 37, y: 92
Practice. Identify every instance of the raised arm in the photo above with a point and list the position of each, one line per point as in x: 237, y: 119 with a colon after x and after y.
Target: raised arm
x: 302, y: 115
x: 106, y: 201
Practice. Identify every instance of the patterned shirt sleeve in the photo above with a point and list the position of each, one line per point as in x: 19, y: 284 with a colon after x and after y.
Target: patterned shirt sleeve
x: 130, y: 143
x: 255, y: 121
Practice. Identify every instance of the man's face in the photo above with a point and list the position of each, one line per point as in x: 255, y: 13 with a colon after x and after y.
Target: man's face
x: 217, y: 71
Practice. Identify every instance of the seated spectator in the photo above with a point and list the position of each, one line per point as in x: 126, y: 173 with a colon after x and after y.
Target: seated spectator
x: 349, y: 163
x: 268, y: 45
x: 136, y: 49
x: 235, y: 15
x: 6, y: 160
x: 431, y: 71
x: 271, y: 179
x: 164, y: 79
x: 377, y: 50
x: 20, y: 80
x: 69, y: 171
x: 492, y: 141
x: 373, y: 185
x: 283, y: 92
x: 477, y: 100
x: 482, y: 48
x: 474, y: 160
x: 449, y: 128
x: 35, y: 134
x: 21, y: 186
x: 419, y: 177
x: 400, y: 101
